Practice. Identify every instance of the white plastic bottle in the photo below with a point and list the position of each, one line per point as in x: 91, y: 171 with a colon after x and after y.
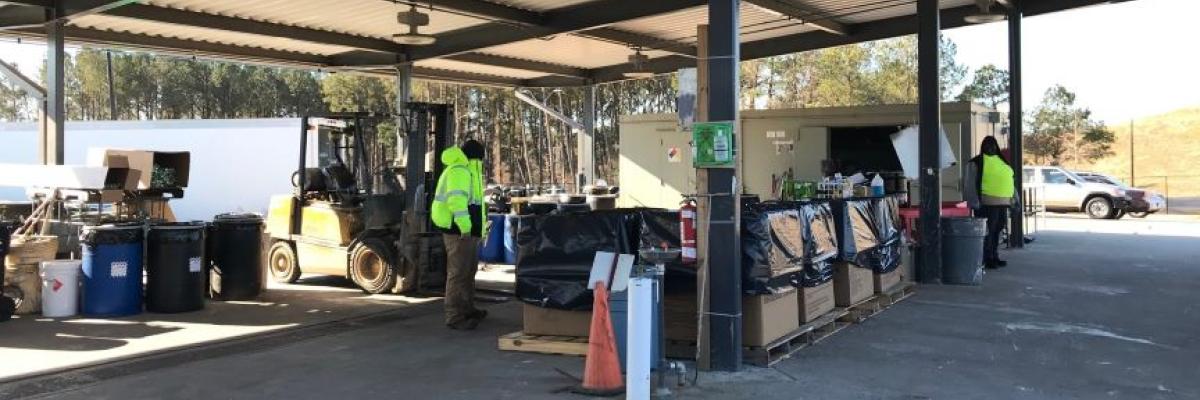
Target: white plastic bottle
x: 720, y: 147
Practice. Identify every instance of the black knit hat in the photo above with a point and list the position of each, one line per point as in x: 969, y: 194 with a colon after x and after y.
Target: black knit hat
x: 473, y: 149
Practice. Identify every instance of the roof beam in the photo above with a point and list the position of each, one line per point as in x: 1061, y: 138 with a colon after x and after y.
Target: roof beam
x: 485, y: 10
x: 566, y: 20
x: 388, y: 50
x: 15, y: 76
x: 517, y: 63
x: 875, y: 30
x: 804, y: 13
x: 190, y: 48
x: 638, y: 40
x: 242, y: 25
x: 35, y: 14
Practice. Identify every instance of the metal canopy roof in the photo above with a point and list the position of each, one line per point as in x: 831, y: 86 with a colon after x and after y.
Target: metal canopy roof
x: 500, y: 42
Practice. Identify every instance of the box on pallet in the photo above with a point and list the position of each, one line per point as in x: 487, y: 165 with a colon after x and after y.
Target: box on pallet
x: 542, y: 321
x: 851, y: 284
x: 815, y: 301
x: 885, y: 282
x: 768, y: 317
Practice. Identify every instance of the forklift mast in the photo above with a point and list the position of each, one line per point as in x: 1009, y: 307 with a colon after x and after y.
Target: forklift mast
x: 355, y: 142
x: 429, y: 128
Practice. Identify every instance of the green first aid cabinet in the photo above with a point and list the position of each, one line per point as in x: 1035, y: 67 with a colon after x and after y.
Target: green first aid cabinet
x: 713, y: 143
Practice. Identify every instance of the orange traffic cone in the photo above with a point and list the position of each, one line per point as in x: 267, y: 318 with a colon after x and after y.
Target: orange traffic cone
x: 602, y: 370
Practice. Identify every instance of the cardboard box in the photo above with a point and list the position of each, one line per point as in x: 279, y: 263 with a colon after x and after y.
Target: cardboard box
x: 886, y: 282
x: 851, y: 284
x: 144, y: 161
x: 553, y: 322
x: 814, y: 302
x: 679, y: 316
x: 768, y: 317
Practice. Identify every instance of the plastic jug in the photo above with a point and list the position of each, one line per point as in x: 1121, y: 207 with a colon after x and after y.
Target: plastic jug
x: 877, y: 186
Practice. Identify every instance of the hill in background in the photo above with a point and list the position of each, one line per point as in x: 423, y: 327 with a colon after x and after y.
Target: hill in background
x: 1166, y: 152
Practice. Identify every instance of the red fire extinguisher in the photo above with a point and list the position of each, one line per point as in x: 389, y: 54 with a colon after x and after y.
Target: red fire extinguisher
x: 687, y: 230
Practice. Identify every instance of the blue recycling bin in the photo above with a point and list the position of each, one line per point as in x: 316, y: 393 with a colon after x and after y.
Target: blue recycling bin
x: 112, y: 270
x: 618, y: 311
x: 492, y: 249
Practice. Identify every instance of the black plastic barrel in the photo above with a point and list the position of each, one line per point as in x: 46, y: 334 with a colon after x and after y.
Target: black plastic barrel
x: 962, y: 250
x: 235, y: 251
x: 175, y: 267
x: 7, y: 305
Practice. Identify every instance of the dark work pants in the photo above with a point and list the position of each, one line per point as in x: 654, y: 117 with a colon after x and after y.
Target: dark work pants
x: 462, y: 262
x: 997, y: 217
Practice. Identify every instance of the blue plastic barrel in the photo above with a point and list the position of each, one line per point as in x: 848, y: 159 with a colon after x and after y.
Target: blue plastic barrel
x: 492, y: 250
x: 112, y: 270
x: 511, y: 223
x: 618, y: 311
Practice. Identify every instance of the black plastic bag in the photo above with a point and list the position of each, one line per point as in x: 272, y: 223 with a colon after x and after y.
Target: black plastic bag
x: 816, y: 274
x: 857, y: 233
x: 658, y: 228
x: 556, y: 253
x: 771, y: 259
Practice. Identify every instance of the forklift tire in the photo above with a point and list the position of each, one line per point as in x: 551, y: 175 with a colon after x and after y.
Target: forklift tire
x: 281, y: 261
x: 369, y: 268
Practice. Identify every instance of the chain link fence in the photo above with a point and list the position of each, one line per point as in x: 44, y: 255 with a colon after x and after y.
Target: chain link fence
x: 1182, y: 191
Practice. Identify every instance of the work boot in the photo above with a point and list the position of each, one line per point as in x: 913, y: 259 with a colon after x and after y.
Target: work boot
x: 465, y: 324
x: 1000, y: 263
x: 478, y: 314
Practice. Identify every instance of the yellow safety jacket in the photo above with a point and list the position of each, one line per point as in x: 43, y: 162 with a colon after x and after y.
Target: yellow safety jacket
x: 997, y: 178
x: 458, y: 205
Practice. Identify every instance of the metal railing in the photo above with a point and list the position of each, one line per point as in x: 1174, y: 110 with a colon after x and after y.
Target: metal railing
x: 1182, y: 192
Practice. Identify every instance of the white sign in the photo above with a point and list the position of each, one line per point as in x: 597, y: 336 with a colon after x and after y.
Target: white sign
x: 907, y: 145
x: 194, y: 264
x: 118, y: 269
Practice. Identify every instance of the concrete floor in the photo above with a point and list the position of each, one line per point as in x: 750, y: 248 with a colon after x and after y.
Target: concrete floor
x: 1093, y: 309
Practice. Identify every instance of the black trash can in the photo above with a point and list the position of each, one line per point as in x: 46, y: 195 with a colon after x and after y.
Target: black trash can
x: 175, y: 267
x: 235, y: 257
x: 962, y: 250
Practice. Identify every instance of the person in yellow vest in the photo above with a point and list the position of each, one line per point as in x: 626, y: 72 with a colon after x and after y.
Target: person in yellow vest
x: 459, y: 211
x: 988, y: 188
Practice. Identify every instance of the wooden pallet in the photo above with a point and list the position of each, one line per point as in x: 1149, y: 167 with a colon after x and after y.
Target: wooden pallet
x: 561, y: 345
x: 807, y: 335
x: 859, y: 312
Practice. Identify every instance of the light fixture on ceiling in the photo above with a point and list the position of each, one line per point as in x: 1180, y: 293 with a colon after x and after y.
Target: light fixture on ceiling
x: 985, y: 14
x: 638, y: 61
x: 413, y: 19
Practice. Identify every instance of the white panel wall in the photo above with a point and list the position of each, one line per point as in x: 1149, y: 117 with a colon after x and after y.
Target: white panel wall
x: 236, y: 164
x: 647, y: 179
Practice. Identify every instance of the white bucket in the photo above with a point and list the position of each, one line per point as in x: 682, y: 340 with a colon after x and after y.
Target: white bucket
x: 60, y: 288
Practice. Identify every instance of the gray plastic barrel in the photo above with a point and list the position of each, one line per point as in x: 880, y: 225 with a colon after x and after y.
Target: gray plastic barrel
x: 962, y: 250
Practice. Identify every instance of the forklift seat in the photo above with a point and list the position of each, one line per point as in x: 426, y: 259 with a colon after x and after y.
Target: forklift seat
x: 339, y: 179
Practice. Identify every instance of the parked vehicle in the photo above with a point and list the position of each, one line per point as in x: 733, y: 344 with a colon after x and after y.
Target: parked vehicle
x: 1064, y: 191
x: 1143, y: 202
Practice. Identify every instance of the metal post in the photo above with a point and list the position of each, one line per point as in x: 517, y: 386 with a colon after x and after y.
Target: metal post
x: 50, y: 139
x: 930, y: 117
x: 724, y: 261
x: 1132, y: 170
x: 112, y: 91
x: 1016, y: 125
x: 585, y: 143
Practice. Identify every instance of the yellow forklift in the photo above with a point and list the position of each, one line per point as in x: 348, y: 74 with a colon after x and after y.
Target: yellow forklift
x: 359, y: 208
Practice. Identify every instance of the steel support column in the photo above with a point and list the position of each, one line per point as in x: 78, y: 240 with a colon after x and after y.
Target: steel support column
x: 51, y: 125
x: 1016, y: 232
x: 586, y: 141
x: 930, y: 118
x: 725, y: 311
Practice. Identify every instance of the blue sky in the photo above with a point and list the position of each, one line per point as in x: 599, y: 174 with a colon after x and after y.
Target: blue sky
x: 1124, y: 60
